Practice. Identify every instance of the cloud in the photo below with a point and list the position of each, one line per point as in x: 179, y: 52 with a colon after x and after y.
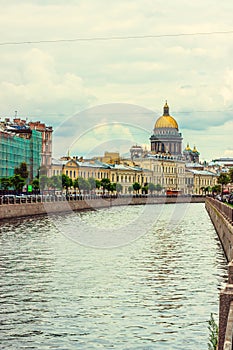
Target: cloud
x: 53, y: 82
x: 42, y: 87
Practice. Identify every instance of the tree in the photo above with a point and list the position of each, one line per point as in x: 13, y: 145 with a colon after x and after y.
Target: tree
x: 22, y: 170
x: 207, y: 189
x: 145, y: 189
x: 158, y: 188
x: 216, y: 189
x: 105, y: 184
x: 66, y: 182
x: 223, y: 179
x: 36, y: 184
x: 43, y: 182
x: 202, y: 189
x: 92, y: 183
x: 82, y: 184
x: 55, y: 182
x: 18, y: 182
x: 5, y: 183
x: 97, y: 184
x: 230, y: 174
x: 136, y: 186
x: 130, y: 189
x: 119, y: 188
x: 151, y: 187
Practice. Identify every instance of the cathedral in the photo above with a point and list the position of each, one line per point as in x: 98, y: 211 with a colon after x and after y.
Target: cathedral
x: 166, y: 138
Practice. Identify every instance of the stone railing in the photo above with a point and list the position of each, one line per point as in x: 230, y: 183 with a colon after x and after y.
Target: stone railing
x: 225, y: 209
x: 229, y: 330
x: 226, y: 313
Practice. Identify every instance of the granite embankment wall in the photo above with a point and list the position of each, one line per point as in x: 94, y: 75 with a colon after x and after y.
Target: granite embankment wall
x: 222, y: 217
x: 8, y: 211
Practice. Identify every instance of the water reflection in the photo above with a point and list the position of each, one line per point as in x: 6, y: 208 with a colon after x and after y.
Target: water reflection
x: 155, y: 293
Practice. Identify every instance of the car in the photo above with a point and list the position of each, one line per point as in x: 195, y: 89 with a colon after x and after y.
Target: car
x: 230, y: 199
x: 218, y: 197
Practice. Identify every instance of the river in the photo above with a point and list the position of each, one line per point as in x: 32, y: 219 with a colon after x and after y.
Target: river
x: 156, y: 291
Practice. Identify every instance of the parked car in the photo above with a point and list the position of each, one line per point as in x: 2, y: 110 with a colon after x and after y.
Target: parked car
x: 230, y: 199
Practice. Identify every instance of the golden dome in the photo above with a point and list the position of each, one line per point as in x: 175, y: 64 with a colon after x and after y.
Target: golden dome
x: 166, y: 120
x: 195, y: 150
x: 187, y: 147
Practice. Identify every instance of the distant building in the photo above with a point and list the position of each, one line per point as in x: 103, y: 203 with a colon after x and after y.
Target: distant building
x: 136, y: 152
x: 191, y: 155
x: 109, y: 157
x: 25, y: 142
x: 166, y: 138
x: 46, y: 151
x: 19, y: 145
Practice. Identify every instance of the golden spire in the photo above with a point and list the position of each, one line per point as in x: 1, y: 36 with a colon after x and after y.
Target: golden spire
x: 194, y: 149
x: 166, y: 109
x: 187, y: 147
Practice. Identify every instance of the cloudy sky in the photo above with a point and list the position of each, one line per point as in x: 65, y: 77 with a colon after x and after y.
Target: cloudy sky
x: 107, y: 94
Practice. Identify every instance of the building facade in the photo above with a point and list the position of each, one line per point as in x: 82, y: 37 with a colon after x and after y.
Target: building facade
x: 28, y: 142
x: 166, y: 138
x: 15, y: 149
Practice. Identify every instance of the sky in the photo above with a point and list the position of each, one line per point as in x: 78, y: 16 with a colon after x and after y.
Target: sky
x: 105, y: 95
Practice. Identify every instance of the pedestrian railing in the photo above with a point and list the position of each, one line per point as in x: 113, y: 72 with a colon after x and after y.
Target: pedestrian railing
x: 223, y: 208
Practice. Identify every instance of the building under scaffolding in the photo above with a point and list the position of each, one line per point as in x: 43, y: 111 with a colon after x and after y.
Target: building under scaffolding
x: 17, y: 146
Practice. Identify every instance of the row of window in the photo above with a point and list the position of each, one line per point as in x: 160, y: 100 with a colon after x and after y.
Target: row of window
x: 168, y: 169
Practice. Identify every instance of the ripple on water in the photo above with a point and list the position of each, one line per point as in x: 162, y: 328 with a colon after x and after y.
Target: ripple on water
x: 154, y: 293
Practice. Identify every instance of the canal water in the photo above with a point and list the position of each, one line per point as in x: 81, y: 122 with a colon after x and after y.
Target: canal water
x: 155, y: 292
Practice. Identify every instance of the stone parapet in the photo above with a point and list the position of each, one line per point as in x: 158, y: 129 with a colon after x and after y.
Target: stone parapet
x: 10, y: 211
x: 222, y: 223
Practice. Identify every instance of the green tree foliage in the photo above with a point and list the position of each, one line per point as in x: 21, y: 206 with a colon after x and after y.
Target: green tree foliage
x: 216, y: 189
x: 213, y: 334
x: 151, y: 187
x: 145, y: 189
x: 130, y: 189
x: 97, y: 184
x: 111, y: 187
x: 158, y: 188
x: 82, y: 184
x: 66, y: 182
x: 92, y: 183
x: 136, y: 186
x: 55, y: 182
x: 43, y: 182
x: 18, y: 182
x: 119, y: 188
x: 36, y: 184
x: 5, y: 183
x: 22, y: 170
x: 105, y: 184
x: 223, y: 179
x: 230, y: 174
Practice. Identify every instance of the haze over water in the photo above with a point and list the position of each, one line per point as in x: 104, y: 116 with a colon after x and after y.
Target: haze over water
x: 154, y: 293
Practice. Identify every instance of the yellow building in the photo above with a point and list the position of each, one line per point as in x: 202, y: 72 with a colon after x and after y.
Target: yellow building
x: 165, y: 171
x: 74, y: 168
x: 109, y: 158
x: 202, y: 179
